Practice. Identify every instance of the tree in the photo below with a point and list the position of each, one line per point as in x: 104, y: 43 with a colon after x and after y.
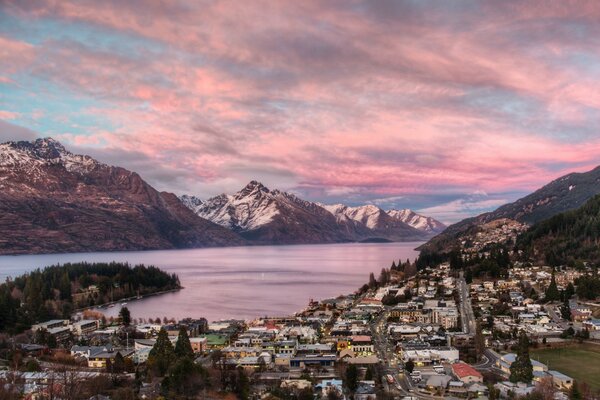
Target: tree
x: 479, y: 341
x: 574, y: 393
x: 521, y: 369
x: 552, y: 292
x: 162, y: 354
x: 409, y: 366
x: 372, y: 281
x: 545, y: 388
x: 565, y: 310
x: 125, y: 316
x: 352, y: 377
x: 569, y: 291
x: 117, y: 365
x: 183, y: 347
x: 242, y: 384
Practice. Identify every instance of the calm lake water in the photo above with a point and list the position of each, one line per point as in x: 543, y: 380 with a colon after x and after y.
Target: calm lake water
x: 241, y: 282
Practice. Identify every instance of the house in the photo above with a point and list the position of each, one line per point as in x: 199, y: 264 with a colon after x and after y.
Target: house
x: 561, y: 380
x: 438, y: 382
x: 329, y: 385
x: 506, y: 361
x: 199, y: 344
x: 592, y: 324
x: 365, y: 391
x: 101, y: 360
x: 466, y: 373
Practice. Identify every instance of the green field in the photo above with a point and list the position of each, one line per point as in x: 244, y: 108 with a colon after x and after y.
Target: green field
x: 580, y: 362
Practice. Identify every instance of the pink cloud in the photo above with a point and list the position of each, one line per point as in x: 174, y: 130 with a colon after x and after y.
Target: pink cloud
x: 359, y: 100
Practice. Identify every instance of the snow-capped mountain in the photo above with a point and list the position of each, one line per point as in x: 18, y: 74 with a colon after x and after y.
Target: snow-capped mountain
x: 389, y: 224
x: 52, y: 200
x: 274, y: 216
x: 271, y: 216
x: 418, y: 221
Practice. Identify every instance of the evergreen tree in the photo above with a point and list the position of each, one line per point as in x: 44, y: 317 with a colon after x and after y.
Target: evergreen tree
x: 162, y: 354
x: 569, y: 291
x: 409, y: 366
x: 574, y: 393
x: 125, y: 316
x: 352, y: 377
x: 565, y: 310
x: 479, y: 341
x: 552, y: 293
x: 242, y: 384
x: 183, y: 347
x: 372, y: 281
x: 521, y: 369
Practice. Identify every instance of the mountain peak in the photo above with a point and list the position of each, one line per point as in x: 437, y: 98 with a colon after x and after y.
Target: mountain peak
x: 253, y: 186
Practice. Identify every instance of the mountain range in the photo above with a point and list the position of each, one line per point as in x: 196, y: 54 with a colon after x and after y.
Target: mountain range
x: 262, y: 215
x: 52, y: 200
x: 566, y: 193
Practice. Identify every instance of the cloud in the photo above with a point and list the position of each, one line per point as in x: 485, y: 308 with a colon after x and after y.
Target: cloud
x: 384, y: 101
x: 461, y: 208
x: 10, y: 132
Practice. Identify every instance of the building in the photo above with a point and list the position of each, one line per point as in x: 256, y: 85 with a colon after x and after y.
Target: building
x: 52, y: 324
x: 506, y: 361
x: 313, y: 360
x: 361, y: 345
x: 561, y: 380
x: 466, y: 373
x: 85, y: 326
x: 199, y: 344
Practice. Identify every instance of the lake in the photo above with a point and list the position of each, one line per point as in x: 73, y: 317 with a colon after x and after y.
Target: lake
x: 241, y: 282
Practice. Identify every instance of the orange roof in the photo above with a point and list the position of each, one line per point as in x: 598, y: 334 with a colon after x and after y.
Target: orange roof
x: 361, y: 338
x: 461, y: 370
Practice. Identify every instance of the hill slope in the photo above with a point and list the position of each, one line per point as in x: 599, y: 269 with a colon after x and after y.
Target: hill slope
x: 565, y: 193
x: 565, y: 237
x: 54, y: 201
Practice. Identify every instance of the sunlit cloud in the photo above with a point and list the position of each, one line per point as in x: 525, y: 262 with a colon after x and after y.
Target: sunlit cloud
x: 393, y: 103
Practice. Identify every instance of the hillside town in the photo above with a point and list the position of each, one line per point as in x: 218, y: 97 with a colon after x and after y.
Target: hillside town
x: 405, y: 335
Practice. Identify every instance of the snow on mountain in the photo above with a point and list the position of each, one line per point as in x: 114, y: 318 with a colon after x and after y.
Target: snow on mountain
x: 191, y: 202
x: 368, y: 215
x: 47, y: 151
x: 420, y: 222
x: 52, y: 200
x: 262, y: 214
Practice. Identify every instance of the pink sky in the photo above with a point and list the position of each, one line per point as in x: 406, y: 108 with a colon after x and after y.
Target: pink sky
x: 452, y: 108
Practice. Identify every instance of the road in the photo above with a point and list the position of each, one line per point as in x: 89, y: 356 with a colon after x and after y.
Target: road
x: 466, y: 309
x: 390, y: 363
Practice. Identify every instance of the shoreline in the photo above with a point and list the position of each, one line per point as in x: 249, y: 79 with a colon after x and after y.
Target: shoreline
x: 104, y: 306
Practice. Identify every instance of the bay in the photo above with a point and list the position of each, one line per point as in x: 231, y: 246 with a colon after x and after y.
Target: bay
x: 240, y: 282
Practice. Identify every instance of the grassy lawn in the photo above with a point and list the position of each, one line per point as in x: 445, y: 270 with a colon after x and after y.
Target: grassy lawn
x: 580, y: 362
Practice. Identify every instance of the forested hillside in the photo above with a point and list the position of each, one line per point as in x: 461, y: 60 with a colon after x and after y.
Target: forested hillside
x: 53, y: 292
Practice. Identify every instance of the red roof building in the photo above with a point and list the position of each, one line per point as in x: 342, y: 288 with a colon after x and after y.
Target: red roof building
x: 466, y: 373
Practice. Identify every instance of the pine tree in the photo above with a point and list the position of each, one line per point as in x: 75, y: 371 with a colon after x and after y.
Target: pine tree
x: 162, y: 354
x: 574, y: 393
x: 552, y: 293
x: 125, y: 316
x: 352, y: 377
x: 479, y: 341
x: 372, y: 281
x: 183, y: 347
x: 409, y: 366
x: 521, y: 370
